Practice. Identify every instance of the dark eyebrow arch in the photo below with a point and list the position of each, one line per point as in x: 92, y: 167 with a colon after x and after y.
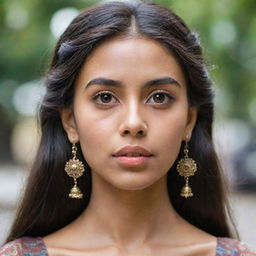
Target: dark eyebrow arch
x: 115, y: 83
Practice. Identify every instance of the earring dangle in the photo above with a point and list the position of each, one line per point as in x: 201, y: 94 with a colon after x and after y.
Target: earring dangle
x: 74, y: 168
x: 186, y: 167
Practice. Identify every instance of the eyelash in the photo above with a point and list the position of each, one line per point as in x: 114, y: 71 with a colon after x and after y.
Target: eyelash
x: 167, y: 94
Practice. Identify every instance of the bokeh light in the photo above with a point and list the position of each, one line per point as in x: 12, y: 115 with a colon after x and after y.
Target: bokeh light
x: 16, y: 16
x: 61, y: 19
x: 27, y: 97
x: 223, y: 32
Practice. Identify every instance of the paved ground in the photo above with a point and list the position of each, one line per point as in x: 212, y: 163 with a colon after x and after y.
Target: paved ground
x: 11, y: 181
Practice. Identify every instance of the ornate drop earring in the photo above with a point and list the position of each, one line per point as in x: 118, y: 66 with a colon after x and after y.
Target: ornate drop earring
x: 75, y: 169
x: 186, y: 167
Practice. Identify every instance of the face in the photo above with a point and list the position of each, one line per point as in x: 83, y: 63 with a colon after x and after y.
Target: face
x: 130, y: 92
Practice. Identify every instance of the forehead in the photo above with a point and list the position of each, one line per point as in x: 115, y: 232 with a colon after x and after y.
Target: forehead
x: 132, y: 59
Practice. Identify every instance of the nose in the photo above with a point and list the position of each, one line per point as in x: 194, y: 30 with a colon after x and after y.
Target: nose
x: 133, y: 123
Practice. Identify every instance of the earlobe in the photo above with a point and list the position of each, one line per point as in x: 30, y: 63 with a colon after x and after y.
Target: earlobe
x: 69, y: 124
x: 191, y: 122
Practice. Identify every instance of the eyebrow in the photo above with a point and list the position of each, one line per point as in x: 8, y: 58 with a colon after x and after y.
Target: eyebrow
x: 115, y: 83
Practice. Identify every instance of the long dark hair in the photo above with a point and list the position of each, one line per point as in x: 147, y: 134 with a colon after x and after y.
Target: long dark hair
x: 46, y: 207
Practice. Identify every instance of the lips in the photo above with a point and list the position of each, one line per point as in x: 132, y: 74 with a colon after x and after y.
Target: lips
x: 133, y: 156
x: 132, y: 151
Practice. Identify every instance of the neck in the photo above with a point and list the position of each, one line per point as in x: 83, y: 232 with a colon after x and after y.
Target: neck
x: 129, y: 217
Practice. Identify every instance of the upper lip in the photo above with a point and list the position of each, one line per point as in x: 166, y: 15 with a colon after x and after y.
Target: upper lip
x: 131, y: 149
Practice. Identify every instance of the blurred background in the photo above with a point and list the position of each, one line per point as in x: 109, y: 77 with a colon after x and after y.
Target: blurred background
x: 227, y: 29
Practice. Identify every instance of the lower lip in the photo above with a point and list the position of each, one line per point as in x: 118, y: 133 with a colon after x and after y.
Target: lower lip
x: 132, y: 160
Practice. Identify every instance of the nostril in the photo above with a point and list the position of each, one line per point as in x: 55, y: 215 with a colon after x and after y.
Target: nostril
x: 140, y: 132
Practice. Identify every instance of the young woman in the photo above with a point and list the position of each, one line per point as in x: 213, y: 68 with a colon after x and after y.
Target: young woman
x: 128, y: 116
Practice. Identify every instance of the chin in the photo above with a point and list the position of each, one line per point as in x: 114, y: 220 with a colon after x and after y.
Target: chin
x: 134, y: 184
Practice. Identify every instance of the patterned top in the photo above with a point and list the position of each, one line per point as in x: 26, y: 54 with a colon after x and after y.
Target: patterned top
x: 34, y: 246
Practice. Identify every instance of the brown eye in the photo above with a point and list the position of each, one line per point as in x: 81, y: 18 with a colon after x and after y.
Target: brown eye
x: 161, y: 98
x: 104, y: 98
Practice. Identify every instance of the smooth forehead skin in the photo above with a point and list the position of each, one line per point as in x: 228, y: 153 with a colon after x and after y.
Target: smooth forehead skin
x: 132, y: 61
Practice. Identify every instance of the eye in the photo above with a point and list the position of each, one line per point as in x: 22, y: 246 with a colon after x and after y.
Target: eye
x: 161, y: 97
x: 104, y: 98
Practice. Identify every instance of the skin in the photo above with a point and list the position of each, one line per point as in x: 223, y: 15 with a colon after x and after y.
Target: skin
x: 129, y: 212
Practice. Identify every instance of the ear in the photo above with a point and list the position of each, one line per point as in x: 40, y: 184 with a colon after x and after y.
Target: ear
x: 191, y: 121
x: 69, y: 124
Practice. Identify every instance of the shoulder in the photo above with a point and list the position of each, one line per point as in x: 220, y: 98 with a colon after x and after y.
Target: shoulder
x: 232, y: 247
x: 24, y: 246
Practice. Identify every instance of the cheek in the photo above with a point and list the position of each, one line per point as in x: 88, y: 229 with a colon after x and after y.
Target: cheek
x: 168, y: 136
x: 94, y: 133
x: 173, y: 131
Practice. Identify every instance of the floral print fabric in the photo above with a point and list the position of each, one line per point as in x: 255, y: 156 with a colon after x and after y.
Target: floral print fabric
x: 25, y: 246
x: 232, y: 247
x: 34, y: 246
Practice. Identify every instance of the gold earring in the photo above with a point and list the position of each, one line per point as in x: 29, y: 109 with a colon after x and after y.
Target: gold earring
x: 186, y: 167
x: 74, y: 169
